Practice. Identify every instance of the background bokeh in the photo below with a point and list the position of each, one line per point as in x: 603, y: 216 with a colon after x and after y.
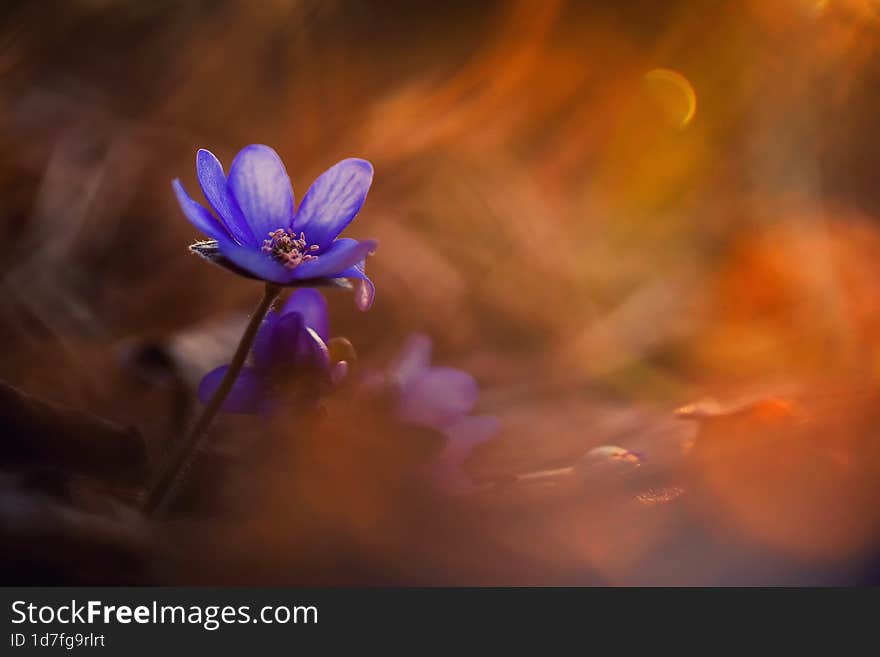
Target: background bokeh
x: 603, y: 210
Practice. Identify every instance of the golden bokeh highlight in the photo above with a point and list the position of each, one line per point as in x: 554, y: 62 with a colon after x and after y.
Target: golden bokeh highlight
x: 674, y: 95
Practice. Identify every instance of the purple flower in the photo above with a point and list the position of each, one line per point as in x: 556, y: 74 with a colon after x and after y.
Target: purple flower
x: 258, y: 234
x: 439, y: 398
x: 289, y: 341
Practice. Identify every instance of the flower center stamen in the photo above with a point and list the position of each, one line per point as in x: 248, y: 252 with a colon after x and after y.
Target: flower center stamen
x: 288, y: 248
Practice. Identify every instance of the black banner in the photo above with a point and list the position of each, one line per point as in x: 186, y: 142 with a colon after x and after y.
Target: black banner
x: 143, y: 621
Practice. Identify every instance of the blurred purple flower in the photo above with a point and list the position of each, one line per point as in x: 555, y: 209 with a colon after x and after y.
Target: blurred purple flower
x: 439, y: 398
x: 288, y: 340
x: 258, y: 233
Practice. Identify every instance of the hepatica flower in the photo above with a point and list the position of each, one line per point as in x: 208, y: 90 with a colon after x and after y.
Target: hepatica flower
x: 290, y: 343
x: 257, y: 232
x: 439, y: 398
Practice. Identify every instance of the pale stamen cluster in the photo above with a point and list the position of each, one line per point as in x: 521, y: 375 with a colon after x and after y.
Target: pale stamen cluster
x: 288, y: 248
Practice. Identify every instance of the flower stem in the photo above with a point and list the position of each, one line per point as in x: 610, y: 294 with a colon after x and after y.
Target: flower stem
x: 170, y: 478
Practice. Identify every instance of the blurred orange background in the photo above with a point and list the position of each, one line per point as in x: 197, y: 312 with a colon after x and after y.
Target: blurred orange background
x: 603, y: 210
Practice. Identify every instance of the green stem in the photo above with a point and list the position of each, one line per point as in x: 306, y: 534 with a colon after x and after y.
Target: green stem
x: 168, y: 483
